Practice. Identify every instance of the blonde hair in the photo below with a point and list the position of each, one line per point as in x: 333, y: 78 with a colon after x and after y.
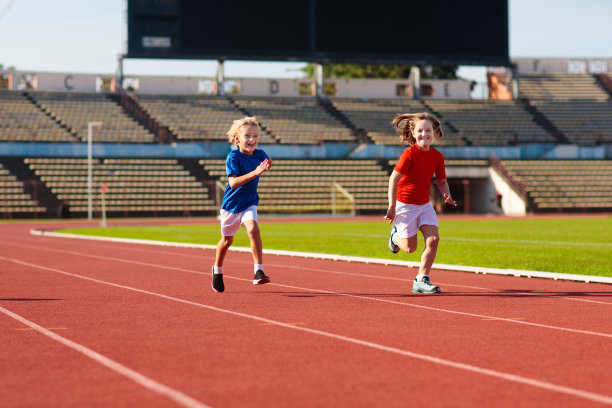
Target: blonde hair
x: 232, y: 133
x: 405, y: 123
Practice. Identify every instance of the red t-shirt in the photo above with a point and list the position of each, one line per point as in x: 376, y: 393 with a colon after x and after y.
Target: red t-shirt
x: 418, y: 167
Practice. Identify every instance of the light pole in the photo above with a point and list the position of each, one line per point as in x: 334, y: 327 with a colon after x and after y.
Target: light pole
x: 90, y: 125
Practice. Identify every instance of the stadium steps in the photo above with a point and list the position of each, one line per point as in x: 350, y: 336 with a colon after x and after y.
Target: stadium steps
x: 360, y: 134
x: 43, y: 195
x: 563, y: 185
x: 605, y: 82
x: 445, y: 123
x: 543, y: 121
x: 262, y: 126
x: 62, y: 124
x: 199, y: 173
x: 130, y: 103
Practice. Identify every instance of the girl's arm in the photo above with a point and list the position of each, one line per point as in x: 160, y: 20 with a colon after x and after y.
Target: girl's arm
x: 237, y: 181
x: 443, y: 187
x: 393, y: 180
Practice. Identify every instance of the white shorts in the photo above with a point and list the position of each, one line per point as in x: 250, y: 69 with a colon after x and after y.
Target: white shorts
x: 410, y: 217
x: 231, y: 222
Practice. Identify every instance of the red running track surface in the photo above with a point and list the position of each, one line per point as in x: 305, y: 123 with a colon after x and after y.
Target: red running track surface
x: 86, y: 323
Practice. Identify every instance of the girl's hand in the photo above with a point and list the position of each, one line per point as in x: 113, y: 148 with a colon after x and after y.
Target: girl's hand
x: 449, y: 200
x: 263, y: 166
x: 390, y: 216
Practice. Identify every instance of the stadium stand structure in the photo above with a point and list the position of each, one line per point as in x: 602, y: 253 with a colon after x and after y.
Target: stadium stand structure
x: 22, y: 121
x: 75, y: 110
x: 314, y: 186
x: 136, y: 186
x: 576, y: 104
x: 295, y: 120
x: 373, y: 116
x: 490, y: 122
x: 16, y: 197
x: 195, y: 117
x: 554, y: 109
x: 563, y: 185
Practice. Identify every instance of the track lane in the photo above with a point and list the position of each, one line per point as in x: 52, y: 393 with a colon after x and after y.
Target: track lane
x: 489, y: 373
x: 302, y: 304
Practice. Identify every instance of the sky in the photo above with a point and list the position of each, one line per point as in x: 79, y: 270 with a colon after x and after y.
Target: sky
x: 87, y: 36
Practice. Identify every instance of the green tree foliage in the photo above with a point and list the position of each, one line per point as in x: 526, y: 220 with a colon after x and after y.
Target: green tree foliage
x: 376, y: 71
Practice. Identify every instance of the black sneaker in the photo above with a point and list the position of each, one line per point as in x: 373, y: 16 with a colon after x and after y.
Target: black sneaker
x: 217, y: 282
x: 260, y: 278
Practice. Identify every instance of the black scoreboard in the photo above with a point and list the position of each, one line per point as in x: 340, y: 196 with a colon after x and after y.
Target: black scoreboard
x: 455, y: 32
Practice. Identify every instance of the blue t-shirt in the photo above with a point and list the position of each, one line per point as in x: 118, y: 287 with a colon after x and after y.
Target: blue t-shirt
x: 236, y: 200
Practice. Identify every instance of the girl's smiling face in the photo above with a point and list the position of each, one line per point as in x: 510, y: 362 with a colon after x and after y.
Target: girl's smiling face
x: 424, y: 134
x: 248, y: 138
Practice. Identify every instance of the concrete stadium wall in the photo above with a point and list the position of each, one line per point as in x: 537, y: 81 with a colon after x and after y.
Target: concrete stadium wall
x: 193, y: 85
x: 512, y: 203
x: 563, y: 65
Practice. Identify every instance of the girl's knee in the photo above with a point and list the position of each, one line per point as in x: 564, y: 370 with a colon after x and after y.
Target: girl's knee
x: 226, y: 241
x: 407, y: 245
x: 252, y: 230
x: 432, y: 241
x: 410, y: 249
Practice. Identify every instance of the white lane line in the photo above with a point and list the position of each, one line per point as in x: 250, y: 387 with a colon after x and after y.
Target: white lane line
x: 333, y: 257
x: 605, y: 399
x: 136, y: 249
x: 138, y: 378
x: 518, y: 292
x: 436, y: 309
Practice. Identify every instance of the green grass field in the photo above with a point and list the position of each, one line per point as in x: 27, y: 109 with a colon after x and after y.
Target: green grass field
x: 581, y: 245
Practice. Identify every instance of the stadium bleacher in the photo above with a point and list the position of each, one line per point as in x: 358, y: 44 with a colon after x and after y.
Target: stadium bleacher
x: 22, y: 121
x: 568, y: 109
x: 575, y: 103
x: 14, y: 200
x: 564, y: 184
x: 374, y: 116
x: 490, y: 122
x: 295, y: 120
x: 561, y: 87
x: 75, y: 110
x: 135, y: 186
x: 195, y: 117
x: 307, y: 186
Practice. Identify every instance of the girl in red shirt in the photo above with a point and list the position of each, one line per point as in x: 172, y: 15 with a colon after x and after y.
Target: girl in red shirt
x: 409, y: 206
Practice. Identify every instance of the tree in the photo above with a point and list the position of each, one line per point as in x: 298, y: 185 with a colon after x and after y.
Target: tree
x: 379, y: 71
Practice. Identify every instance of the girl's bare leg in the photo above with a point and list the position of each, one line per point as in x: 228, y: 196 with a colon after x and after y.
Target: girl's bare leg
x: 406, y: 244
x: 222, y: 247
x: 431, y: 237
x: 255, y: 238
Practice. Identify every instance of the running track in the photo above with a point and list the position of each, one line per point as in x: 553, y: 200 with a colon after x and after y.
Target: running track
x: 86, y: 323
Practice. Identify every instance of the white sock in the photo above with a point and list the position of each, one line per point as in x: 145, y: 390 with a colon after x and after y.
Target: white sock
x: 257, y: 267
x: 217, y: 269
x: 419, y: 277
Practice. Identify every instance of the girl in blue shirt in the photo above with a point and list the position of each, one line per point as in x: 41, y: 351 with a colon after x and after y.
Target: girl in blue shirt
x: 243, y: 166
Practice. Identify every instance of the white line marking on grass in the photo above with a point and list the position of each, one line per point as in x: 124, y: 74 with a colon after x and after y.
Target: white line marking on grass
x: 313, y: 255
x: 146, y: 382
x: 574, y: 392
x: 464, y: 239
